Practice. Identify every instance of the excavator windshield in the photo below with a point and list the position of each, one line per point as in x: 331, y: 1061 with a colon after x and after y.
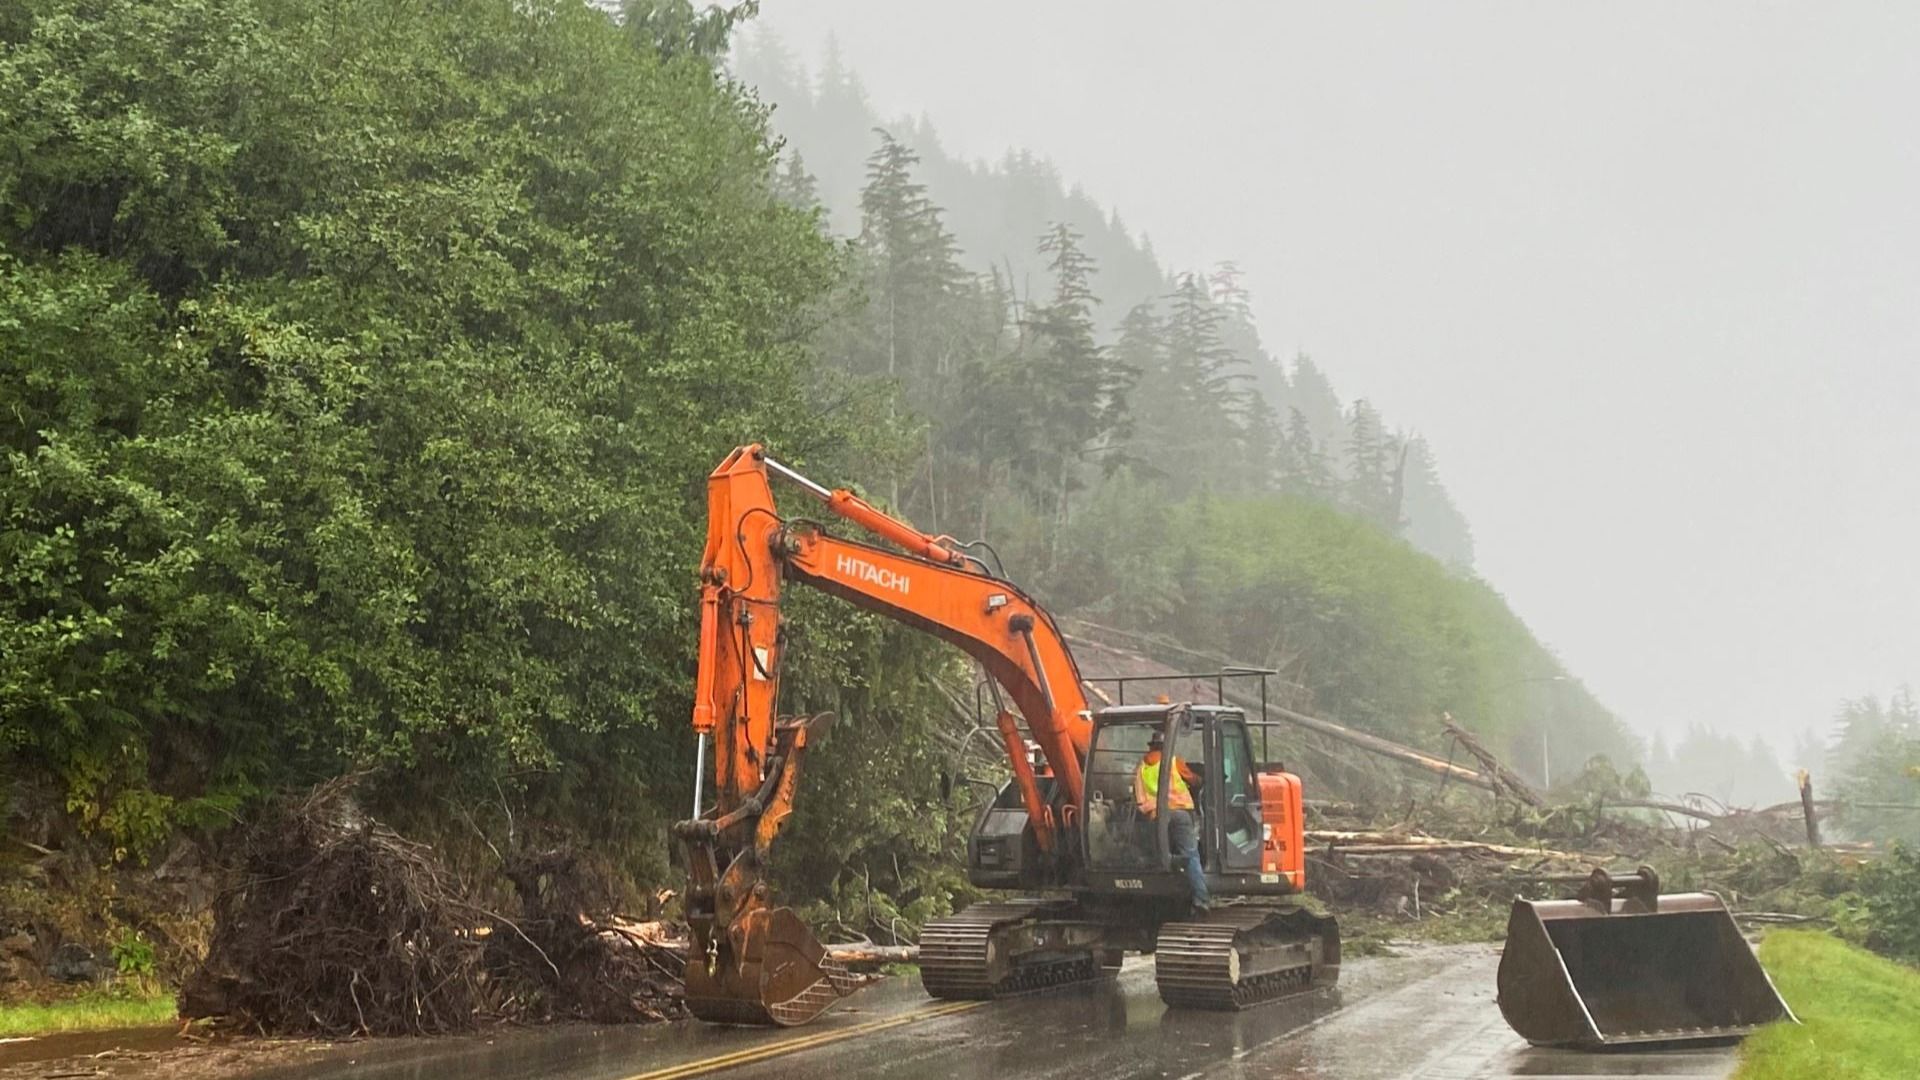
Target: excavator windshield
x: 1119, y: 836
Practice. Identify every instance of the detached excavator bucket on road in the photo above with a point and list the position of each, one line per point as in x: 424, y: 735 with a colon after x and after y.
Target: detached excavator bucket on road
x: 1621, y: 963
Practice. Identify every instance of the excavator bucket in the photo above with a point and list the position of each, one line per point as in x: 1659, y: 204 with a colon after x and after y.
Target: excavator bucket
x: 1622, y: 964
x: 771, y: 971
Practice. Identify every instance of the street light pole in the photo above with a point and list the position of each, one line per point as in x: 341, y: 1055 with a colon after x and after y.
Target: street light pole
x: 1546, y: 762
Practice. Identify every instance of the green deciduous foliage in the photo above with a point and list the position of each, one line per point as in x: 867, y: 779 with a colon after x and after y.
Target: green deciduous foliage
x: 360, y: 362
x: 875, y: 841
x: 1889, y: 890
x: 1374, y: 633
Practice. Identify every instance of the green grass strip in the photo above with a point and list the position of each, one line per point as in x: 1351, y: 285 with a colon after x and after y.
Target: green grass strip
x: 1860, y: 1014
x: 95, y: 1012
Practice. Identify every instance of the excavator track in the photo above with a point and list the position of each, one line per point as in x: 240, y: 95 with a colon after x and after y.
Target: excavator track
x: 1243, y: 955
x: 973, y: 953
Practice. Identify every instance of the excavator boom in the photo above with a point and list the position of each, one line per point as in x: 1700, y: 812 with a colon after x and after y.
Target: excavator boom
x: 753, y: 962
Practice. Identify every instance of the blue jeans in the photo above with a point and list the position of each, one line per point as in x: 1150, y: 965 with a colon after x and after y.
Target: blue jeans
x: 1184, y: 838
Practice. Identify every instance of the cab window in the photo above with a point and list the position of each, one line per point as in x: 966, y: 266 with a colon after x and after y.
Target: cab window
x: 1118, y: 836
x: 1236, y: 782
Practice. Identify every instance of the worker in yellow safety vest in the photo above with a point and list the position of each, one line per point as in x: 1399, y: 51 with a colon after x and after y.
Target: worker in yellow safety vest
x: 1183, y: 834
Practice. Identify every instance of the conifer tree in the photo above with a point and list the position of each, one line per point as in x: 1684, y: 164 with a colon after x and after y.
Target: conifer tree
x: 677, y: 28
x: 1372, y: 464
x: 1433, y: 523
x: 795, y: 186
x: 1313, y: 395
x: 1075, y: 388
x: 1307, y: 472
x: 1209, y: 375
x: 1191, y: 402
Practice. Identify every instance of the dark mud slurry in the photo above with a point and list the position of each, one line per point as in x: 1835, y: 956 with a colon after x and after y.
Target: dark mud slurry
x: 151, y: 1053
x: 75, y: 1044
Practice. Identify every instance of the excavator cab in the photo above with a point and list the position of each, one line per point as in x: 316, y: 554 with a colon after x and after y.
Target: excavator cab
x: 1248, y: 819
x: 1257, y: 942
x: 1120, y: 836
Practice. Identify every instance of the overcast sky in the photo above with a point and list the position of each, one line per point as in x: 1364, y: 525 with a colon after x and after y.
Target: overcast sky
x: 1647, y: 276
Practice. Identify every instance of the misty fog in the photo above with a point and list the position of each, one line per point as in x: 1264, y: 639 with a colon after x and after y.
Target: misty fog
x: 1641, y: 276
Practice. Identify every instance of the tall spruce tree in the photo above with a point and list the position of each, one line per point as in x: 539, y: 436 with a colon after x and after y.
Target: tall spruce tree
x: 795, y: 186
x: 1313, y: 395
x: 1192, y: 400
x: 1307, y: 473
x: 1076, y: 391
x: 1373, y: 468
x: 1433, y: 523
x: 913, y: 270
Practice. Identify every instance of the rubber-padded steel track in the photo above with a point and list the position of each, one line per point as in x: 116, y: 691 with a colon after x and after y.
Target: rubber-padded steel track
x: 1243, y: 955
x: 958, y: 954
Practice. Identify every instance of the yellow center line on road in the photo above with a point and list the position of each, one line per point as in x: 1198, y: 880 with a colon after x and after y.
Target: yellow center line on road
x: 755, y: 1054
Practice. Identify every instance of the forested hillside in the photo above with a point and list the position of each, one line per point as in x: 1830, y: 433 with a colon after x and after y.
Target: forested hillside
x: 992, y: 214
x: 361, y: 367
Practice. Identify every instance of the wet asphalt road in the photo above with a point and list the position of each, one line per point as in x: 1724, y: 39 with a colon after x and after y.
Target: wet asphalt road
x: 1428, y: 1015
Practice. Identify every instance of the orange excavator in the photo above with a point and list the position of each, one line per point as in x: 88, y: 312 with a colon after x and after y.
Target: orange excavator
x: 1092, y: 866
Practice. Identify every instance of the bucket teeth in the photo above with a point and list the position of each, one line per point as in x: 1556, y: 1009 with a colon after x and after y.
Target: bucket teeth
x: 782, y: 977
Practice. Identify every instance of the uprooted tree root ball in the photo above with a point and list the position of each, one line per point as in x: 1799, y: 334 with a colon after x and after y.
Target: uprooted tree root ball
x: 336, y: 925
x: 566, y: 961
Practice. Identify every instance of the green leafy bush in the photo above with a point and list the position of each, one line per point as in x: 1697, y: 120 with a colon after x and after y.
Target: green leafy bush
x: 361, y: 362
x: 134, y: 956
x: 1883, y: 912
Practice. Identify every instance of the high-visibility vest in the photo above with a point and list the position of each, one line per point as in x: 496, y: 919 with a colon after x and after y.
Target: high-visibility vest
x: 1147, y: 792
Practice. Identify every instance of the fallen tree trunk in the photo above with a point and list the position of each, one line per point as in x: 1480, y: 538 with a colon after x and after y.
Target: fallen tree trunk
x: 1494, y: 767
x: 861, y: 957
x: 1463, y: 847
x: 666, y: 937
x: 1666, y: 807
x: 1407, y: 755
x: 1781, y: 918
x: 1375, y: 744
x: 1392, y: 843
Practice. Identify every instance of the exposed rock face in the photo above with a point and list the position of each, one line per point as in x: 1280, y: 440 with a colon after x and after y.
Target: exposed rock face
x: 75, y: 963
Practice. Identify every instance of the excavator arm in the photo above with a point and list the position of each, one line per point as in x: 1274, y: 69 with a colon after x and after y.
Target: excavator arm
x: 753, y: 962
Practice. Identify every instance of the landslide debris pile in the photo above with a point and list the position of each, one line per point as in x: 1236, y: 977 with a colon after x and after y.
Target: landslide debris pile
x: 1450, y: 869
x: 336, y: 925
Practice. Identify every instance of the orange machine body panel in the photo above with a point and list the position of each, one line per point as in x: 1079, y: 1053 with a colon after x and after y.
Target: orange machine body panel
x: 1283, y: 847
